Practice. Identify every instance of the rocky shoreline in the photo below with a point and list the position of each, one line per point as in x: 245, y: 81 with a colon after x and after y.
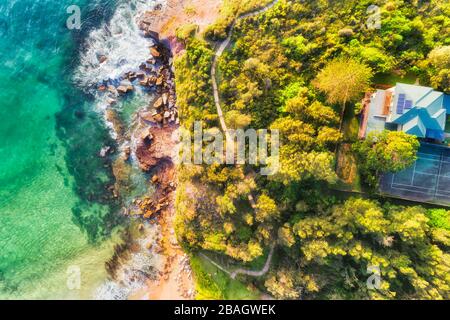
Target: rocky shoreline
x: 150, y: 142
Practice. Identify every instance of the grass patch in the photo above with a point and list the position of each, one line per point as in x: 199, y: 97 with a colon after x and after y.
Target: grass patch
x: 214, y: 284
x: 346, y: 163
x: 350, y: 124
x: 190, y: 11
x: 229, y: 11
x: 350, y: 129
x: 392, y: 78
x: 347, y: 169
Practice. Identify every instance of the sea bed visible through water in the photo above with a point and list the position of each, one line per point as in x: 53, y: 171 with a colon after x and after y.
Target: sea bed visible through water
x: 58, y: 215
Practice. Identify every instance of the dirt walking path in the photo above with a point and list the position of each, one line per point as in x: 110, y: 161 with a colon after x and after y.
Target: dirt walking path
x: 219, y: 51
x: 253, y: 273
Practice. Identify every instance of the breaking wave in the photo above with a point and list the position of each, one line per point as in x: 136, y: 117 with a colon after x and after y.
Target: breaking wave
x: 132, y: 276
x: 115, y: 48
x: 110, y: 51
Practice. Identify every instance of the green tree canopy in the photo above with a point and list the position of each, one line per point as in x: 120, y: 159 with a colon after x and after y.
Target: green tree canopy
x: 361, y: 233
x: 266, y: 209
x: 388, y: 151
x: 343, y: 80
x: 440, y: 68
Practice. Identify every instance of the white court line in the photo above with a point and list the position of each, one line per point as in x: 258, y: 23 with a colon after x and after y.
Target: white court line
x: 407, y: 185
x: 439, y: 175
x: 422, y: 192
x: 436, y: 190
x: 427, y: 174
x: 418, y: 191
x: 420, y: 172
x: 433, y: 155
x: 443, y: 193
x: 414, y: 173
x: 433, y: 160
x: 426, y: 154
x: 394, y: 187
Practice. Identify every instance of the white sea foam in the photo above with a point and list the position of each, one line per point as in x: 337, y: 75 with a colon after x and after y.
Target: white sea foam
x: 120, y: 41
x: 132, y: 276
x: 125, y: 48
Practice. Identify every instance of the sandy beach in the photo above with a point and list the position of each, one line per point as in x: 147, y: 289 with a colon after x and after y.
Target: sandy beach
x: 175, y: 13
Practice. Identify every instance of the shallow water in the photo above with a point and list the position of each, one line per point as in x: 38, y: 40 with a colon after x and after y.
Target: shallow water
x: 56, y: 213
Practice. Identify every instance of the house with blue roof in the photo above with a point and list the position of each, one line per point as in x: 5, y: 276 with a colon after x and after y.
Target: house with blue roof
x: 414, y: 109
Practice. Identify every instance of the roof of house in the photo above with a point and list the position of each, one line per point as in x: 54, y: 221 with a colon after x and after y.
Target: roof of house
x: 447, y: 102
x: 376, y: 122
x: 418, y: 109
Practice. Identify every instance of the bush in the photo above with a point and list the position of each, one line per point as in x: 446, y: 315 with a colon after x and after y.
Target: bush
x: 186, y: 31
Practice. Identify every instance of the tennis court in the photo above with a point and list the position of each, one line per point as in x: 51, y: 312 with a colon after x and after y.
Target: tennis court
x: 428, y: 180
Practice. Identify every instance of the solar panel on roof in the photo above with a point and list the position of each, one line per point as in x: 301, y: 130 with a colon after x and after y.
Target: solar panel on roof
x: 408, y: 104
x: 400, y: 103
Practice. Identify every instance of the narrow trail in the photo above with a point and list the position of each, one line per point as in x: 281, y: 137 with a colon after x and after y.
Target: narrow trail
x: 221, y: 48
x: 233, y: 274
x: 218, y: 53
x: 259, y: 273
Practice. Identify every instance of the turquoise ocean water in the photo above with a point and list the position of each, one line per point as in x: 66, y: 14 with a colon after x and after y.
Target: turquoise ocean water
x: 55, y: 210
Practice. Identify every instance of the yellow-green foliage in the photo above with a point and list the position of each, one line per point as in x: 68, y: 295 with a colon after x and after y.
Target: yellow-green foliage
x: 396, y: 239
x: 186, y: 31
x: 213, y: 283
x: 206, y: 287
x: 387, y: 151
x: 229, y: 11
x: 343, y: 80
x: 266, y: 80
x: 194, y: 89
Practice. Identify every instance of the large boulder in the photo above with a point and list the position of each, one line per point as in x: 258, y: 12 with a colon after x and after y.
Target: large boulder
x: 155, y: 52
x: 160, y: 149
x: 122, y: 89
x: 146, y: 136
x: 159, y: 103
x: 147, y: 116
x: 102, y: 58
x: 143, y: 82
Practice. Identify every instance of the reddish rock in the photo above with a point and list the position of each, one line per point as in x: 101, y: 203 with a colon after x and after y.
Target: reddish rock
x: 154, y: 52
x: 158, y: 118
x: 147, y: 116
x: 144, y: 82
x: 151, y: 80
x: 160, y: 149
x: 122, y: 89
x: 158, y: 103
x: 102, y: 59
